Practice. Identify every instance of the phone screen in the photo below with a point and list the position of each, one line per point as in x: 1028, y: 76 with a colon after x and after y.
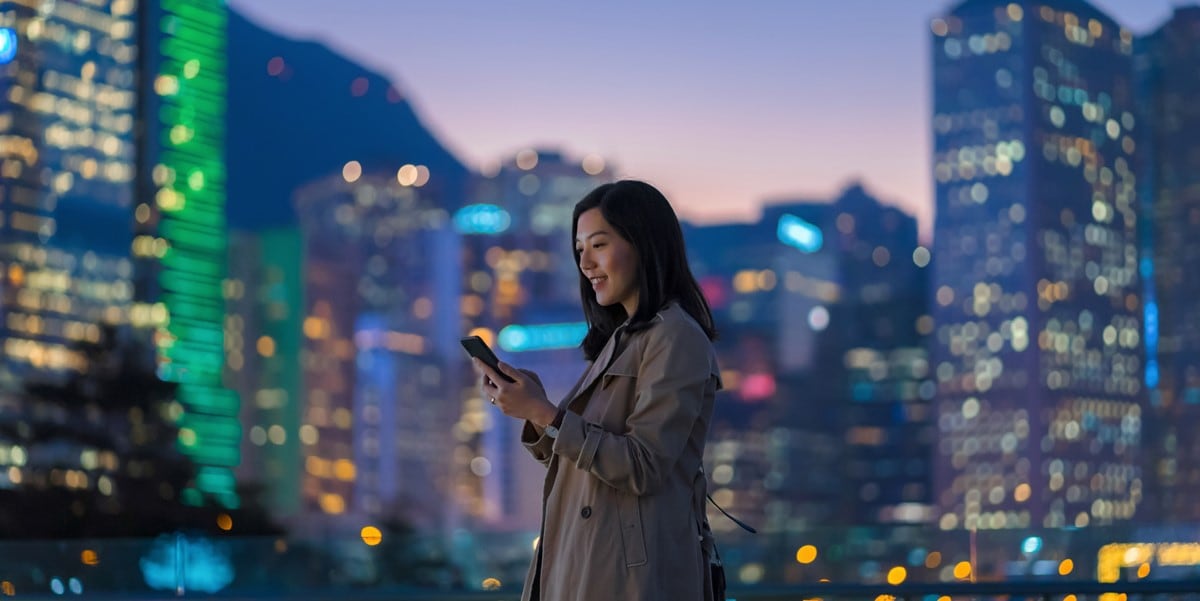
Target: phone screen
x: 476, y: 347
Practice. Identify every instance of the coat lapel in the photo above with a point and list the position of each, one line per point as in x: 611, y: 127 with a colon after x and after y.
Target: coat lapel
x: 597, y: 369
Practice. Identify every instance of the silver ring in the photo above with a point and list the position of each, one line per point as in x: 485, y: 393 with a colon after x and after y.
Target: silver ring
x: 493, y: 399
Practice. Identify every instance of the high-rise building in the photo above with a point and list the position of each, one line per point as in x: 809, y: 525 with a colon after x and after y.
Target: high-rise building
x: 774, y: 445
x: 879, y: 326
x: 68, y: 77
x: 520, y: 291
x: 1036, y: 345
x: 180, y: 226
x: 263, y: 340
x: 380, y: 270
x: 824, y: 417
x: 1169, y: 189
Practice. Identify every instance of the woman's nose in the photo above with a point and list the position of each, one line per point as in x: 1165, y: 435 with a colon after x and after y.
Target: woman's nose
x: 585, y: 260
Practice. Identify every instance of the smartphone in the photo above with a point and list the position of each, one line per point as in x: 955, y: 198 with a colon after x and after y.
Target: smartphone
x: 476, y: 347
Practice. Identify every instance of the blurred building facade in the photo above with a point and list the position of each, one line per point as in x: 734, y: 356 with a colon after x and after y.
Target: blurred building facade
x: 283, y: 277
x: 263, y: 341
x: 1037, y: 315
x: 380, y: 298
x: 67, y: 180
x: 81, y: 127
x: 824, y: 419
x: 1169, y: 189
x: 520, y: 292
x: 180, y: 243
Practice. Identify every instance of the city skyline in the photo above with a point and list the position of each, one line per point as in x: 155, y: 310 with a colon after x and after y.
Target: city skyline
x: 720, y: 151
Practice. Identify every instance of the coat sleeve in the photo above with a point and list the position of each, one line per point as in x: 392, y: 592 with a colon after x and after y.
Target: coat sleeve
x: 536, y: 442
x: 673, y: 379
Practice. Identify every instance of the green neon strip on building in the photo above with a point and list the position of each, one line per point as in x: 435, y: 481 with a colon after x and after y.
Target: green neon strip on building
x: 191, y: 122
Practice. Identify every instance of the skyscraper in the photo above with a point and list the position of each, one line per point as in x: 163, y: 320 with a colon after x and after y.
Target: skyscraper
x: 824, y: 418
x: 68, y: 81
x: 1169, y: 186
x: 66, y: 180
x: 180, y: 244
x: 380, y: 313
x: 263, y: 342
x: 1036, y: 344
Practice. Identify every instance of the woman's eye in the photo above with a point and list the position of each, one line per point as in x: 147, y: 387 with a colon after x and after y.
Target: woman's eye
x: 598, y: 245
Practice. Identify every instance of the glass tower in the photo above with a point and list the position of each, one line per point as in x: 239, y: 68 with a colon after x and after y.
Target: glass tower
x: 1037, y: 311
x: 67, y: 77
x: 180, y: 243
x: 1169, y: 187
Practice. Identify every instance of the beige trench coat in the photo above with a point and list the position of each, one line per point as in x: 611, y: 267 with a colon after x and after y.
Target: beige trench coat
x: 623, y: 501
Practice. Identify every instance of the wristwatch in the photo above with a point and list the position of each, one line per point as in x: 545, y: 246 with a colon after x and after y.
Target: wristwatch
x: 552, y: 429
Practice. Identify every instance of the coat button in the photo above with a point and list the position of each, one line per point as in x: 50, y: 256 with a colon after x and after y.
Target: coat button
x: 586, y: 513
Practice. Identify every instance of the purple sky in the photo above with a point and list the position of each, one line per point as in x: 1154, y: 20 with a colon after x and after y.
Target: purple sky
x: 721, y: 105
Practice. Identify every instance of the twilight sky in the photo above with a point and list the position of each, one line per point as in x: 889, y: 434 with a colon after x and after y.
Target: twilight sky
x: 722, y: 105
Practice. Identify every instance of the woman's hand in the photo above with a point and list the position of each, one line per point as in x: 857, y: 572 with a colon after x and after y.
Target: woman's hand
x: 523, y: 399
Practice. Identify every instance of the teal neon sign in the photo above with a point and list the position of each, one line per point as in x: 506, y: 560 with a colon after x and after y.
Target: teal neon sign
x: 794, y: 231
x: 482, y: 219
x: 545, y: 337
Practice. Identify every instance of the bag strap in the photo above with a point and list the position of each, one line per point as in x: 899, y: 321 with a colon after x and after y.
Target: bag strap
x: 743, y: 525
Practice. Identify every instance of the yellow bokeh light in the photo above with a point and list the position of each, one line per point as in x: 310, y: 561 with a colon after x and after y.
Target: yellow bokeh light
x: 933, y: 560
x: 593, y: 164
x: 352, y: 171
x: 332, y: 503
x: 527, y: 159
x: 1065, y: 567
x: 89, y: 557
x: 1021, y: 493
x: 266, y: 346
x: 344, y: 470
x: 371, y: 535
x: 806, y: 554
x: 407, y: 175
x: 962, y: 570
x: 1143, y: 570
x: 225, y: 522
x: 897, y: 575
x: 486, y: 334
x: 491, y: 584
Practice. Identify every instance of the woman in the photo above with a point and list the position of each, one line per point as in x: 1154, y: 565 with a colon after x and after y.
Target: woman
x: 623, y: 502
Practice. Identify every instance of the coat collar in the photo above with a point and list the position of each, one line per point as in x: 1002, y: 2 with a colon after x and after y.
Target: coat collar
x: 612, y: 349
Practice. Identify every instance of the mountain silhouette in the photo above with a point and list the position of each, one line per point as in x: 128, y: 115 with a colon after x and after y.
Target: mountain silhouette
x: 294, y: 116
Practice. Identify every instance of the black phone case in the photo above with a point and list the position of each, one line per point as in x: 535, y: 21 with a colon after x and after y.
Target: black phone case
x: 476, y: 347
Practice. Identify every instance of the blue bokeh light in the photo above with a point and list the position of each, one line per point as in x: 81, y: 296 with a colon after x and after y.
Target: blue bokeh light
x: 180, y: 563
x: 799, y: 233
x: 482, y: 219
x: 545, y: 337
x: 8, y: 45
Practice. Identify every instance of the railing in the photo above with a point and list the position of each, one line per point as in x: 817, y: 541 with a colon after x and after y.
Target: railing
x: 1010, y: 591
x: 791, y: 566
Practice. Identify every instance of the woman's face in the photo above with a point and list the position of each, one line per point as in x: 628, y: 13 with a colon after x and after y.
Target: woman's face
x: 608, y: 260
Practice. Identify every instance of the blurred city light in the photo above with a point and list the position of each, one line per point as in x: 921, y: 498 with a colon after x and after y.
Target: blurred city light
x: 543, y: 337
x: 482, y: 219
x: 8, y: 45
x: 799, y: 233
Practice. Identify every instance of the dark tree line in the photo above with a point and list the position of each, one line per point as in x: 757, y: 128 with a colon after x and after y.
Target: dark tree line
x: 113, y: 425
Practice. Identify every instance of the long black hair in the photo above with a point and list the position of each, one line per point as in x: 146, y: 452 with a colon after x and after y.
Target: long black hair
x: 641, y: 215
